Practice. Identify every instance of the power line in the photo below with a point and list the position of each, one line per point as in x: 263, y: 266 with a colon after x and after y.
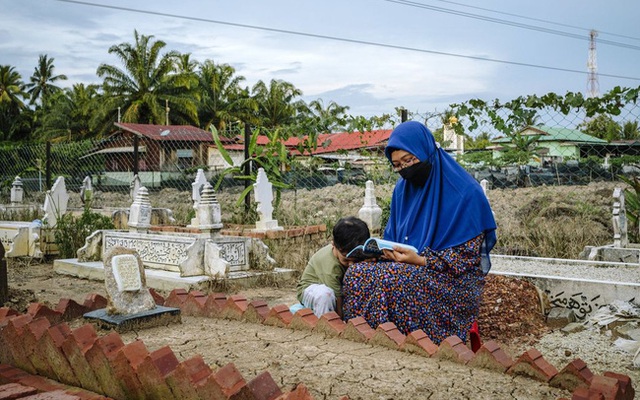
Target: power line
x: 509, y: 23
x: 335, y: 38
x: 537, y: 19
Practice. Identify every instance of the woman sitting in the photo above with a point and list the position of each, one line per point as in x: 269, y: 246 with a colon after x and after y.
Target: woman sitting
x: 438, y: 208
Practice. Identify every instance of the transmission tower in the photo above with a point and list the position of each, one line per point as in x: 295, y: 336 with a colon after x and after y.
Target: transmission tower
x: 593, y: 88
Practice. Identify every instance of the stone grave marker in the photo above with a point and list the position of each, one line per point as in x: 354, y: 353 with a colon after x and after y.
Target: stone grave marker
x: 86, y: 192
x: 17, y: 193
x: 55, y: 202
x: 264, y: 197
x: 130, y: 304
x: 371, y: 212
x: 197, y: 188
x: 140, y: 212
x: 135, y: 185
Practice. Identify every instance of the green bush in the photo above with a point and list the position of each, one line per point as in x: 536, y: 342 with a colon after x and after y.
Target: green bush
x: 70, y: 231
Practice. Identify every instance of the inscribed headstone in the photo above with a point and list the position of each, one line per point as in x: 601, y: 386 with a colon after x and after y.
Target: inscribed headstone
x: 125, y: 282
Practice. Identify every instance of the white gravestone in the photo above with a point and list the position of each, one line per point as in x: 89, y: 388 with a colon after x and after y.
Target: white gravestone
x: 17, y: 193
x: 370, y: 212
x: 135, y: 185
x: 140, y: 212
x: 86, y: 192
x: 196, y: 193
x: 208, y: 214
x: 126, y: 274
x: 620, y: 235
x: 264, y: 197
x: 125, y: 283
x: 55, y: 202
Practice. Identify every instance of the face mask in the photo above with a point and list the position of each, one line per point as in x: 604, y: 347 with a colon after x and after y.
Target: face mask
x: 416, y: 174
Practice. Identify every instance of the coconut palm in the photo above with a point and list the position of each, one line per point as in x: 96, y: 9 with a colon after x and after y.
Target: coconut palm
x: 42, y: 82
x: 277, y: 104
x: 223, y: 100
x: 329, y: 119
x: 69, y: 117
x: 146, y: 84
x: 630, y: 130
x: 12, y: 106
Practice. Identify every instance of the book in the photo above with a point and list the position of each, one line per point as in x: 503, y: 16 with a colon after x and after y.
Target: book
x: 373, y: 247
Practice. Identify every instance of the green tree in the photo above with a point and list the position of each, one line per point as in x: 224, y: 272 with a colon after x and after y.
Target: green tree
x: 145, y: 86
x: 13, y: 110
x: 329, y: 119
x: 482, y: 141
x: 223, y: 100
x: 42, y: 82
x: 277, y: 104
x: 630, y: 130
x: 521, y: 149
x: 70, y: 114
x: 602, y: 126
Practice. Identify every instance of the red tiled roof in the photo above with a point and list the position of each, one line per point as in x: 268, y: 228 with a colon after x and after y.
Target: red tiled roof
x: 170, y: 132
x: 332, y: 141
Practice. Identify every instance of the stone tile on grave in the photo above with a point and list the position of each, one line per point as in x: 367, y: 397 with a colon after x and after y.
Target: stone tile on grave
x: 130, y: 305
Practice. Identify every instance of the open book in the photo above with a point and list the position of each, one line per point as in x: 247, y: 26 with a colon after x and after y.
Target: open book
x: 373, y: 247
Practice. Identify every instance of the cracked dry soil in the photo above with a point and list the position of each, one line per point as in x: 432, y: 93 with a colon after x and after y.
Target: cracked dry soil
x: 329, y: 367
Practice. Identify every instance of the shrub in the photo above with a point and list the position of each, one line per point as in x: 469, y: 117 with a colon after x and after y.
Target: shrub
x: 70, y: 232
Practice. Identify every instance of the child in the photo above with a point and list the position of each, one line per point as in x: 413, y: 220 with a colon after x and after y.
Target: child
x: 320, y: 287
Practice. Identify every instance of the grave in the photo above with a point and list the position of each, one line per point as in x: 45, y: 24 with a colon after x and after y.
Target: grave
x: 189, y: 258
x: 621, y: 250
x: 371, y: 213
x: 130, y: 304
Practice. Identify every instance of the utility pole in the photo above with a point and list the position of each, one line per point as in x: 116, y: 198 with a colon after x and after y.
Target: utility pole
x: 593, y: 89
x: 166, y: 109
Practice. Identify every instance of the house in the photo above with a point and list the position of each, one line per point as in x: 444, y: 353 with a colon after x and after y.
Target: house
x: 555, y: 144
x: 163, y: 152
x: 360, y: 149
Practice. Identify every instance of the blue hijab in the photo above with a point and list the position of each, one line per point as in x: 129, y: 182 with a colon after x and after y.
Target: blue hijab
x: 450, y: 209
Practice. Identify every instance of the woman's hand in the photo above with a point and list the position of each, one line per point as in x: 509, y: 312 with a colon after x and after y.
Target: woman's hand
x: 404, y: 255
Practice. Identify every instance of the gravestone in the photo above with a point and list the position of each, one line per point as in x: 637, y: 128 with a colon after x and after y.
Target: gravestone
x: 135, y: 185
x: 4, y: 280
x: 197, y: 188
x: 620, y: 235
x: 124, y: 279
x: 208, y: 214
x: 130, y: 304
x: 370, y: 212
x: 55, y: 203
x: 140, y: 212
x: 264, y: 197
x: 86, y: 192
x: 17, y: 193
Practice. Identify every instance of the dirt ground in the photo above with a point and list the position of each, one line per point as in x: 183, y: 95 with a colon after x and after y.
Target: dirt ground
x: 545, y: 221
x: 332, y: 368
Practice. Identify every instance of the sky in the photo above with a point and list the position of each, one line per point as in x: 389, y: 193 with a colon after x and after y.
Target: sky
x: 369, y: 55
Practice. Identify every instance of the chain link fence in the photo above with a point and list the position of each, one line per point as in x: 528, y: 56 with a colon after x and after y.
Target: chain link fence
x: 561, y: 148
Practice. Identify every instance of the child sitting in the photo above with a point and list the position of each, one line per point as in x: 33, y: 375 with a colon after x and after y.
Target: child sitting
x: 320, y: 287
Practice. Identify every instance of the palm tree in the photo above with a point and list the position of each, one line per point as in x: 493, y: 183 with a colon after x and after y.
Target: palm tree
x: 223, y: 100
x: 69, y: 116
x: 630, y: 130
x: 277, y: 104
x: 12, y: 107
x: 147, y: 84
x: 42, y: 82
x: 329, y: 119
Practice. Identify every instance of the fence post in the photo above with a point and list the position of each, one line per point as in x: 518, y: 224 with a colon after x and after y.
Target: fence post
x: 403, y: 115
x: 47, y: 167
x: 247, y: 167
x: 4, y: 280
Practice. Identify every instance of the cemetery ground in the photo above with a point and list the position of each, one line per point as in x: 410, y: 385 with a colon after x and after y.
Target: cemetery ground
x: 547, y: 221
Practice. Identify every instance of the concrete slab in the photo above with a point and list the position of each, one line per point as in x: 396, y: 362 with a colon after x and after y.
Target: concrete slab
x: 168, y: 280
x: 159, y: 316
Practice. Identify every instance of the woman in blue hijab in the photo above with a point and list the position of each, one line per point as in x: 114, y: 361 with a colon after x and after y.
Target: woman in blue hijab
x: 438, y: 208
